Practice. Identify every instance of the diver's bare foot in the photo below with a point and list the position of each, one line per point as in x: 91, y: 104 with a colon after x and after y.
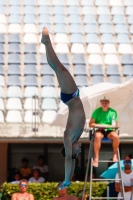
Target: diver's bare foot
x: 45, y: 35
x: 95, y: 162
x: 115, y: 158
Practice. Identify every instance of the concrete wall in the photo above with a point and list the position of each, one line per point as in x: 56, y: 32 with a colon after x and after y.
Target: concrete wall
x: 3, y: 162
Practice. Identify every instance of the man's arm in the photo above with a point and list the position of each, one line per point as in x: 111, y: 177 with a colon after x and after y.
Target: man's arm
x: 14, y: 197
x: 126, y: 188
x: 92, y: 124
x: 31, y: 197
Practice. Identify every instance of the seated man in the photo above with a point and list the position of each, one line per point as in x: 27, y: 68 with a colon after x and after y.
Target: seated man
x: 104, y: 117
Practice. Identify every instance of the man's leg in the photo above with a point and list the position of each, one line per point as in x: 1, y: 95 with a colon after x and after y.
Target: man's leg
x: 97, y: 145
x: 114, y: 137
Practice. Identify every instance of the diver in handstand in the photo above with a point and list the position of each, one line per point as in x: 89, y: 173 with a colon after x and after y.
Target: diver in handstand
x: 76, y: 118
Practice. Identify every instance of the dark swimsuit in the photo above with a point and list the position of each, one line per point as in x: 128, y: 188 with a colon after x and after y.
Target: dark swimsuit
x: 67, y: 97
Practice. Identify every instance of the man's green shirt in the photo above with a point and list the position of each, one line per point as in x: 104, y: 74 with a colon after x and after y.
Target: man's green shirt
x: 104, y: 117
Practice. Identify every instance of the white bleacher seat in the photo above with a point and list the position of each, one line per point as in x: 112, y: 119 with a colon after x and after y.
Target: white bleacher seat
x: 58, y: 3
x: 2, y: 94
x: 125, y: 49
x: 1, y: 117
x: 61, y: 48
x: 129, y: 10
x: 30, y: 92
x: 115, y: 3
x: 14, y: 28
x: 95, y: 59
x: 2, y: 82
x: 93, y: 48
x: 31, y: 103
x: 86, y: 3
x: 48, y: 116
x: 1, y: 104
x: 14, y: 91
x: 87, y: 10
x: 30, y: 28
x: 77, y: 48
x: 3, y: 19
x: 14, y: 104
x: 42, y: 48
x: 72, y: 3
x: 128, y: 3
x: 117, y: 10
x: 103, y: 10
x: 43, y: 2
x: 30, y: 38
x: 61, y: 38
x: 111, y: 59
x: 48, y: 92
x: 49, y: 104
x: 109, y: 48
x: 14, y: 116
x: 3, y: 28
x: 30, y: 118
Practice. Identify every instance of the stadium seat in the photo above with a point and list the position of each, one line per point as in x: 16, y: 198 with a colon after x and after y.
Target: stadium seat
x: 44, y: 2
x: 14, y: 116
x: 114, y: 79
x: 43, y: 59
x: 1, y: 117
x: 93, y: 48
x: 131, y: 29
x: 2, y: 82
x: 115, y: 3
x: 128, y: 78
x: 29, y: 10
x: 112, y: 70
x: 129, y: 10
x: 30, y: 118
x: 74, y: 19
x: 14, y: 92
x: 29, y: 19
x: 14, y: 28
x: 30, y: 38
x: 92, y: 38
x: 30, y: 59
x: 15, y: 19
x: 86, y: 3
x: 128, y: 70
x: 77, y: 48
x: 128, y: 3
x: 14, y: 48
x: 13, y: 104
x: 49, y: 104
x: 59, y: 19
x: 117, y: 10
x: 3, y: 28
x: 48, y: 92
x: 2, y: 49
x: 127, y: 59
x: 73, y: 10
x: 13, y: 81
x: 44, y: 19
x: 75, y: 28
x: 58, y: 10
x: 2, y: 38
x: 14, y: 58
x: 97, y: 79
x: 90, y: 28
x: 42, y: 48
x: 111, y: 59
x: 122, y: 38
x: 130, y: 19
x: 58, y: 2
x: 14, y: 70
x: 104, y: 19
x: 107, y: 38
x: 60, y: 28
x: 96, y: 70
x: 46, y: 70
x: 63, y: 58
x: 2, y: 10
x: 61, y: 38
x: 61, y: 48
x: 72, y: 3
x: 78, y: 59
x: 29, y: 3
x: 109, y: 48
x: 14, y: 10
x: 44, y: 10
x: 101, y: 3
x: 30, y: 48
x: 125, y: 49
x: 76, y: 38
x: 1, y: 70
x: 119, y: 19
x: 30, y: 70
x: 2, y: 93
x: 14, y: 38
x: 3, y: 19
x: 105, y: 28
x: 2, y: 59
x: 80, y: 70
x: 3, y: 3
x: 48, y: 116
x: 95, y: 59
x: 31, y: 104
x: 2, y: 104
x: 121, y: 28
x: 30, y: 91
x: 48, y: 81
x: 88, y: 10
x: 30, y: 28
x: 81, y: 81
x: 103, y: 10
x: 30, y: 81
x: 89, y: 19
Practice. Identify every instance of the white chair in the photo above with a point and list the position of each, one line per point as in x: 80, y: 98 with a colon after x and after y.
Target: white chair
x: 61, y: 38
x: 48, y: 92
x: 125, y: 49
x: 43, y: 2
x: 14, y: 91
x: 3, y: 19
x: 14, y: 116
x: 31, y: 104
x: 2, y: 105
x: 61, y: 48
x: 102, y: 10
x: 1, y: 117
x: 30, y: 118
x: 109, y: 48
x: 72, y: 3
x: 117, y: 10
x: 77, y: 48
x: 30, y: 92
x: 93, y: 48
x: 48, y: 116
x: 30, y: 38
x: 111, y: 59
x: 49, y: 104
x: 2, y: 93
x: 42, y: 48
x: 87, y: 10
x: 95, y: 59
x: 14, y: 104
x: 58, y: 3
x: 128, y: 3
x: 129, y: 10
x: 3, y: 28
x: 14, y: 28
x: 2, y: 82
x: 86, y: 3
x: 30, y: 28
x: 115, y: 3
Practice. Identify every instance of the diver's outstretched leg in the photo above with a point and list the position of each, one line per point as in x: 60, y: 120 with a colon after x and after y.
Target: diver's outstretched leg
x: 65, y: 79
